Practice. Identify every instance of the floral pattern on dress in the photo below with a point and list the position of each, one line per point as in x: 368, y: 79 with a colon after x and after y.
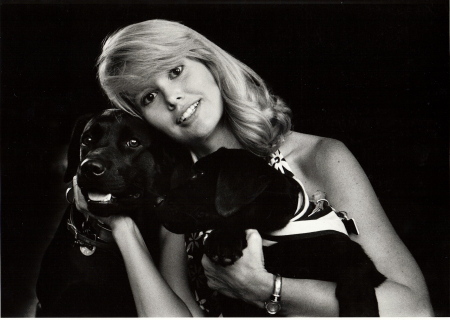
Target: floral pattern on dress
x: 201, y: 302
x: 277, y: 161
x: 193, y: 240
x: 197, y: 275
x: 206, y: 298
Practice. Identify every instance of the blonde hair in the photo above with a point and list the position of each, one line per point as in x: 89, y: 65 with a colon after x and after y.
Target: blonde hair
x: 132, y: 55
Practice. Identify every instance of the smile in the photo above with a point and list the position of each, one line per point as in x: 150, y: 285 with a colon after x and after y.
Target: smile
x: 188, y: 113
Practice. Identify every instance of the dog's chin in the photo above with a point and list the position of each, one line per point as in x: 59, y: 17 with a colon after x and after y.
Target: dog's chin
x: 103, y: 209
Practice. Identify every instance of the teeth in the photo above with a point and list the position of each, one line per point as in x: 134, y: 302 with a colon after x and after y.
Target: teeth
x: 188, y: 112
x: 94, y: 196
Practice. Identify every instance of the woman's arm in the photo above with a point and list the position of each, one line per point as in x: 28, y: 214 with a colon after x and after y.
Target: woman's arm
x: 348, y: 188
x: 153, y: 296
x: 173, y: 267
x: 336, y: 172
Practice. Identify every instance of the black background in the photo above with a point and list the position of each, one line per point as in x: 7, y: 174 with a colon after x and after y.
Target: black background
x: 374, y: 76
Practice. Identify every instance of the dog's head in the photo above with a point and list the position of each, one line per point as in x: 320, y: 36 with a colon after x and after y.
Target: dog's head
x: 120, y: 163
x: 230, y: 187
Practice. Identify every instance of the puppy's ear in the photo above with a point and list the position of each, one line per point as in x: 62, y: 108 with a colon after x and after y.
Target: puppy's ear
x: 73, y: 153
x: 238, y: 184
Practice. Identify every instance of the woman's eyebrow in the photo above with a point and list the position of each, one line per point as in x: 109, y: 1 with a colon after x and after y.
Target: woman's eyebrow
x: 145, y: 87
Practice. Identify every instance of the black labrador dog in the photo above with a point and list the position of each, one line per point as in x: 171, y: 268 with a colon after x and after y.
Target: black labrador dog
x: 233, y: 190
x: 122, y: 167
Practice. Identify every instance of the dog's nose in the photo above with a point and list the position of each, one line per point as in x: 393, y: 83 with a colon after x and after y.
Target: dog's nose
x: 93, y: 168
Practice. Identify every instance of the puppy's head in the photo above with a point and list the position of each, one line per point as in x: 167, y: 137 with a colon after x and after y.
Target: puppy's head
x: 119, y: 162
x: 230, y: 187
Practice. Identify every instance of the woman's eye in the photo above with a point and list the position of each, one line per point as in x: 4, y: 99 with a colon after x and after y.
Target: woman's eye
x: 148, y: 98
x: 133, y: 143
x: 87, y: 140
x: 175, y: 72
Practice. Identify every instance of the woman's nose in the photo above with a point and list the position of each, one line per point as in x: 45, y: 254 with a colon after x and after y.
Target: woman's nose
x: 173, y: 102
x: 174, y: 97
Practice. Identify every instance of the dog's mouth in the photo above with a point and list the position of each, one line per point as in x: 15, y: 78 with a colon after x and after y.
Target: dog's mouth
x: 96, y: 196
x: 109, y: 198
x: 102, y: 203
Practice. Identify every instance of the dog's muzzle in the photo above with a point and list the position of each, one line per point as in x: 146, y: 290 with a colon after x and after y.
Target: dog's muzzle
x: 93, y: 168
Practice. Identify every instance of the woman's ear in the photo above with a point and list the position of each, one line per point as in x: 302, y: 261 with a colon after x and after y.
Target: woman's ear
x: 73, y: 152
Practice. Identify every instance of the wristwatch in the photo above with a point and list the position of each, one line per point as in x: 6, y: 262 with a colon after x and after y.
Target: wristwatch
x: 274, y: 304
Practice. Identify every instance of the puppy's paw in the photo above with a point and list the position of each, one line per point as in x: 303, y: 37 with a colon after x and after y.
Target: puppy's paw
x: 225, y: 247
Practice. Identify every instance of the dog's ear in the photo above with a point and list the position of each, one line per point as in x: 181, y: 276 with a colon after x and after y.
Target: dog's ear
x: 238, y: 184
x: 73, y: 152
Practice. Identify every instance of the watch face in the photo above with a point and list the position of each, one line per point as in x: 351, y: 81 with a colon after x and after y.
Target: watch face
x: 273, y: 307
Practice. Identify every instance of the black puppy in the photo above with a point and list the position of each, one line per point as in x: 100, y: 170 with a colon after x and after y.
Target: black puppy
x: 121, y: 168
x: 233, y: 190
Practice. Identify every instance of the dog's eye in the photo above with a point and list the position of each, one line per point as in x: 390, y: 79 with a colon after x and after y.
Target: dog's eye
x: 87, y: 140
x: 133, y: 143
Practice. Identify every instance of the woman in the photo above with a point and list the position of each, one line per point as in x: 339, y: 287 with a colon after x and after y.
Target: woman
x: 203, y: 98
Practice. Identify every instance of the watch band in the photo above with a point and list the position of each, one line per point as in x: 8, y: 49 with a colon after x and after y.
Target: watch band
x: 274, y: 304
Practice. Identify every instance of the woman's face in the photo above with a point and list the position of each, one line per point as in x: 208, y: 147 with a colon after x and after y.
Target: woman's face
x: 185, y: 103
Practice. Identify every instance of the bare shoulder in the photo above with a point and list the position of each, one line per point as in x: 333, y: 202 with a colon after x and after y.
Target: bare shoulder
x: 313, y: 156
x: 310, y: 147
x: 327, y: 164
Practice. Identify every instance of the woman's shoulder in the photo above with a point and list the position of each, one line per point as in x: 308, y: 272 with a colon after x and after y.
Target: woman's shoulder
x: 311, y: 149
x: 315, y: 159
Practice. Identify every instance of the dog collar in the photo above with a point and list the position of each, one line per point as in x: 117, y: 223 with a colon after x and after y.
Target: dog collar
x: 91, y: 234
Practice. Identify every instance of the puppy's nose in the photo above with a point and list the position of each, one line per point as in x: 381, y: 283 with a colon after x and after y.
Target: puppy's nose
x: 93, y: 168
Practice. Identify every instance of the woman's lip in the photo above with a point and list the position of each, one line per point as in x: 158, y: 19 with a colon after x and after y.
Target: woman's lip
x: 189, y: 112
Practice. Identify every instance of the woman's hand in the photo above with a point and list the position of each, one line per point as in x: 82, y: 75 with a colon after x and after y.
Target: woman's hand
x: 112, y: 221
x: 247, y: 279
